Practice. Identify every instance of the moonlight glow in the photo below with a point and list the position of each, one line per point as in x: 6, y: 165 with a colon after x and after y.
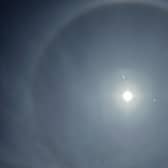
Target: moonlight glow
x: 127, y: 96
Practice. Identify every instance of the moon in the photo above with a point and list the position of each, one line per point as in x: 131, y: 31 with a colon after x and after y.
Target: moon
x: 127, y: 96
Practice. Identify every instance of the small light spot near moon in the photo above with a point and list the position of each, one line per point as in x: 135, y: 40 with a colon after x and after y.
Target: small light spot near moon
x: 154, y: 100
x: 123, y: 77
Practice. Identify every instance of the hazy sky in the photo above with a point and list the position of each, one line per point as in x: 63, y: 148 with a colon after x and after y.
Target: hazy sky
x: 63, y: 66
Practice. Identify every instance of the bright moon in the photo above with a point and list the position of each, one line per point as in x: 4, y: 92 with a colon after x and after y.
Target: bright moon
x: 127, y: 96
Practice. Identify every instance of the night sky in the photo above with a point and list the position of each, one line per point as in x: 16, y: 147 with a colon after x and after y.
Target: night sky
x: 64, y: 67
